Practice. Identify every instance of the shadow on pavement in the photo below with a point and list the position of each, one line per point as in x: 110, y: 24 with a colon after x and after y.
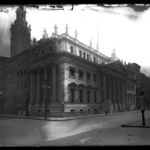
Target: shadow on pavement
x: 125, y: 125
x: 138, y: 124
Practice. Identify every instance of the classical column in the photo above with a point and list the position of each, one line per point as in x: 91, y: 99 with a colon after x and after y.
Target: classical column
x: 45, y: 88
x: 54, y: 83
x: 114, y: 90
x: 104, y: 88
x: 118, y: 92
x: 123, y: 95
x: 38, y: 87
x: 110, y: 92
x: 115, y: 94
x: 31, y: 88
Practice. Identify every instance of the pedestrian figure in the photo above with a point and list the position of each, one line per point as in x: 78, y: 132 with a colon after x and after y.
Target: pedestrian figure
x: 106, y: 108
x: 106, y: 112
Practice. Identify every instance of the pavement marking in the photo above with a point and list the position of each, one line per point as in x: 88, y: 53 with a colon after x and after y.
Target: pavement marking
x: 84, y: 140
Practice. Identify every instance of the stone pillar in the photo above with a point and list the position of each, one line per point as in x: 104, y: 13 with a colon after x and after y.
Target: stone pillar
x: 118, y: 93
x: 38, y: 87
x: 110, y: 94
x: 114, y: 93
x: 45, y: 74
x: 49, y: 94
x: 123, y: 95
x: 104, y: 88
x: 31, y: 89
x: 126, y: 95
x: 54, y: 83
x: 110, y: 91
x: 44, y: 92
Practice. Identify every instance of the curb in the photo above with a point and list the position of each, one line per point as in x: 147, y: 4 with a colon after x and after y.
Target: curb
x: 66, y: 118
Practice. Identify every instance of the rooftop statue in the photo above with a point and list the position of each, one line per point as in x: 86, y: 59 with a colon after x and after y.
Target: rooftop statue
x: 76, y: 34
x: 45, y: 34
x: 91, y: 43
x: 67, y: 29
x: 56, y: 28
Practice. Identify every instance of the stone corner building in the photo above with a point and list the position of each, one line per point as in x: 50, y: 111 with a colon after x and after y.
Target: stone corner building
x: 73, y: 78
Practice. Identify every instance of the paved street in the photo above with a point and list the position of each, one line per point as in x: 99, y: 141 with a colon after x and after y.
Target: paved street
x: 115, y: 136
x: 100, y: 130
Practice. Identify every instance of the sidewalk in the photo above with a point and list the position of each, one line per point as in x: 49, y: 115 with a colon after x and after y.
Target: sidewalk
x: 65, y: 118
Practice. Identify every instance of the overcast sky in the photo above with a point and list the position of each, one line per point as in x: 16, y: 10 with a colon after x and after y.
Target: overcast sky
x: 122, y: 28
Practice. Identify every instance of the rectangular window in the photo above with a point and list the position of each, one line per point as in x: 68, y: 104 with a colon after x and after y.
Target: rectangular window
x: 88, y: 76
x: 72, y: 94
x: 80, y: 53
x: 81, y: 95
x: 94, y: 58
x: 84, y: 55
x: 88, y: 96
x: 81, y: 74
x: 72, y: 71
x: 88, y: 57
x: 71, y: 49
x: 95, y: 97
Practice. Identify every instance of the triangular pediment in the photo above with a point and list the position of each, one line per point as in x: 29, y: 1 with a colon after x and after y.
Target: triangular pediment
x: 118, y: 66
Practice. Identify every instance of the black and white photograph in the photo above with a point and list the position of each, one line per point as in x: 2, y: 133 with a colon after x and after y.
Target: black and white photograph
x: 74, y: 75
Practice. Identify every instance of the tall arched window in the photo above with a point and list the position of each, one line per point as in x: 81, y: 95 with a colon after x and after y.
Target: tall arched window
x: 89, y: 91
x: 81, y: 93
x: 72, y: 92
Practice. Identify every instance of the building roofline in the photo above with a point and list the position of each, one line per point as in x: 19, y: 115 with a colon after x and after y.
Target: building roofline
x: 64, y: 35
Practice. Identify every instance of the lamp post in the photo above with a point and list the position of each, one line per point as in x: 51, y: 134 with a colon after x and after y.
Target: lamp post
x: 46, y: 86
x: 143, y: 106
x: 62, y: 108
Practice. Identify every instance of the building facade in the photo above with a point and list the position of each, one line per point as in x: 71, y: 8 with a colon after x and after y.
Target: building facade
x: 63, y: 77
